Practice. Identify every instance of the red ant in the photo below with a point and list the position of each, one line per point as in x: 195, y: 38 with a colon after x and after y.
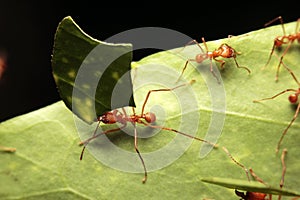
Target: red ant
x: 280, y: 40
x: 146, y: 119
x: 224, y: 51
x: 293, y: 98
x: 258, y: 195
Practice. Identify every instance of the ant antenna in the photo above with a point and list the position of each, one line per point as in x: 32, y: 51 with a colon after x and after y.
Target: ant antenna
x: 181, y: 133
x: 163, y: 90
x: 281, y: 22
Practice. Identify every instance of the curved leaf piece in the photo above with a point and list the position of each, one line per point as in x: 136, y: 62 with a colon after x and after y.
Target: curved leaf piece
x: 87, y: 71
x: 252, y: 186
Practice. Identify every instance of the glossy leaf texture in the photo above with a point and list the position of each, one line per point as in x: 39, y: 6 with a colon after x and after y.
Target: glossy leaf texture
x: 46, y: 164
x: 87, y: 70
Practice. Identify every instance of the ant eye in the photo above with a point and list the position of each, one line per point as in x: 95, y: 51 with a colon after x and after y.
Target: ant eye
x: 150, y: 117
x: 293, y: 98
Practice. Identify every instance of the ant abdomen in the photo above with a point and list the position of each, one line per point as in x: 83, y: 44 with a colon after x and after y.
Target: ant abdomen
x: 293, y: 98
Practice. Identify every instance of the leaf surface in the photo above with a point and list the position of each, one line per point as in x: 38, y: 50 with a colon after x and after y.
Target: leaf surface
x: 46, y: 164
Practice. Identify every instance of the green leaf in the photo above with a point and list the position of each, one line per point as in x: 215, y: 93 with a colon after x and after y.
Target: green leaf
x: 249, y: 186
x: 87, y: 70
x: 46, y: 164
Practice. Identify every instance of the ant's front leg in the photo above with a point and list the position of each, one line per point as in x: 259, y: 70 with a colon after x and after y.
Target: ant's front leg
x: 220, y: 61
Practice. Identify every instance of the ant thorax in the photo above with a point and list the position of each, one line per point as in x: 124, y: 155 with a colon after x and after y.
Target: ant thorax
x: 112, y: 117
x: 108, y: 117
x: 226, y: 51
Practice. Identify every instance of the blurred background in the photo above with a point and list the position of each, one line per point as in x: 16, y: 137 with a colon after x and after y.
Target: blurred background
x: 27, y: 33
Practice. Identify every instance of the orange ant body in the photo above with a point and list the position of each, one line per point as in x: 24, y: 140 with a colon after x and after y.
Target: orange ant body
x: 280, y: 40
x: 251, y: 195
x: 146, y: 119
x: 293, y: 99
x: 258, y: 195
x: 224, y: 51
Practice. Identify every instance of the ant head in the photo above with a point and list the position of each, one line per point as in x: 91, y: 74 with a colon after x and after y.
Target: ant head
x: 150, y: 117
x: 108, y: 118
x: 278, y: 41
x: 293, y: 98
x: 250, y: 195
x: 201, y: 57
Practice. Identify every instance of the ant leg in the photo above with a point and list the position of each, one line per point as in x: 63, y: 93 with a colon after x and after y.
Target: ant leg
x: 181, y: 133
x: 287, y: 90
x: 204, y: 43
x: 281, y: 58
x: 284, y: 152
x: 140, y: 156
x: 220, y: 61
x: 286, y: 129
x: 96, y: 135
x: 270, y: 56
x: 256, y: 177
x: 297, y: 25
x: 161, y: 90
x: 97, y: 128
x: 245, y: 169
x: 211, y: 68
x: 190, y: 60
x: 276, y: 19
x: 186, y: 63
x: 7, y: 149
x: 238, y: 66
x: 124, y: 111
x: 291, y: 72
x: 195, y: 42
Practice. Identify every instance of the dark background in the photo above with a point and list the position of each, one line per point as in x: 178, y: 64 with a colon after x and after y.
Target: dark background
x: 27, y: 31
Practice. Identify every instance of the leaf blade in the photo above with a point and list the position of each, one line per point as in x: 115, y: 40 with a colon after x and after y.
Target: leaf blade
x: 87, y: 70
x: 252, y: 186
x: 47, y: 156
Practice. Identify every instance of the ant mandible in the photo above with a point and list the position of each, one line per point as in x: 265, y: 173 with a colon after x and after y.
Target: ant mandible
x: 258, y: 195
x: 280, y: 40
x: 293, y: 98
x: 146, y: 119
x: 224, y: 51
